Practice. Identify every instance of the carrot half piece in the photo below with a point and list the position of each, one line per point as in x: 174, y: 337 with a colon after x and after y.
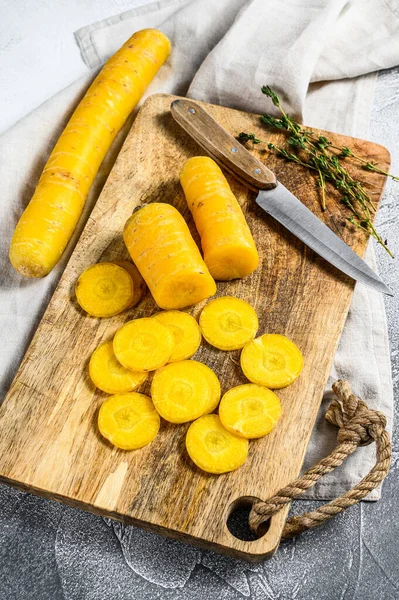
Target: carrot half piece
x: 161, y: 246
x: 50, y: 218
x: 227, y: 243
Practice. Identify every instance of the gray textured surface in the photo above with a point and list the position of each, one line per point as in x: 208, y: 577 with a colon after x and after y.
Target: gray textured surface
x: 51, y: 552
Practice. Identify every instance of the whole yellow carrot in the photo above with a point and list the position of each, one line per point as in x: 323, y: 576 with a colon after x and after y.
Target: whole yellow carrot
x: 49, y: 220
x: 227, y: 243
x: 167, y: 257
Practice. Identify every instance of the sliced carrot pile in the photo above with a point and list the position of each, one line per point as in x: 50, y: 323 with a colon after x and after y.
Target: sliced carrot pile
x: 186, y: 333
x: 183, y: 391
x: 128, y: 421
x: 138, y: 282
x: 214, y: 449
x: 249, y: 411
x: 104, y: 290
x: 143, y: 344
x: 109, y: 375
x: 228, y: 323
x: 271, y: 360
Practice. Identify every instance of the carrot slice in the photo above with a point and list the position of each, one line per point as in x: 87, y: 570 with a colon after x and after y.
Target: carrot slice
x: 109, y: 375
x: 249, y: 411
x: 214, y: 449
x: 138, y: 282
x: 143, y: 344
x: 104, y: 290
x: 183, y: 391
x: 228, y: 323
x: 186, y: 333
x: 271, y: 360
x: 128, y: 421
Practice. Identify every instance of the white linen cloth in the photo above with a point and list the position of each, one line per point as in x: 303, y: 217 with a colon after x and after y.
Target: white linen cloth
x: 320, y: 55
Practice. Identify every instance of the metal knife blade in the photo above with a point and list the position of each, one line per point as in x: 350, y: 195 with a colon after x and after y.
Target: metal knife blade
x: 299, y: 220
x: 273, y: 197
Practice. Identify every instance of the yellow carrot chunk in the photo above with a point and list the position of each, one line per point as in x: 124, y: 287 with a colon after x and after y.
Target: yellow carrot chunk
x: 104, y: 290
x: 271, y: 360
x: 138, y: 281
x: 227, y: 243
x: 50, y: 218
x: 228, y: 323
x: 249, y: 411
x: 143, y: 344
x: 128, y: 421
x: 109, y: 375
x: 185, y: 330
x: 214, y: 449
x: 167, y: 257
x: 185, y: 390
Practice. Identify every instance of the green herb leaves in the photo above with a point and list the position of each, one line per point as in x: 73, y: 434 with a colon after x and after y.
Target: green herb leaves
x: 317, y: 153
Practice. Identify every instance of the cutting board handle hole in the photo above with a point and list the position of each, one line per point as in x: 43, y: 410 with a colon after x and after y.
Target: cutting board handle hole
x: 238, y: 520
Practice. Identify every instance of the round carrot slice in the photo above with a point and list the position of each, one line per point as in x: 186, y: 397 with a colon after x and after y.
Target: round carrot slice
x: 271, y: 360
x: 185, y: 390
x: 109, y: 375
x: 214, y: 386
x: 228, y: 323
x: 186, y: 333
x: 104, y: 290
x: 214, y: 449
x: 143, y: 344
x: 138, y: 282
x: 249, y: 411
x: 128, y: 421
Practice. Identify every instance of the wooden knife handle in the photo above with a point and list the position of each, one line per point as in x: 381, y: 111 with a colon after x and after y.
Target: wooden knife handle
x: 221, y: 146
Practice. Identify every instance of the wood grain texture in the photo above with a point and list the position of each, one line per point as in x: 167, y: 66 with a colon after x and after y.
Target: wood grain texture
x: 49, y: 443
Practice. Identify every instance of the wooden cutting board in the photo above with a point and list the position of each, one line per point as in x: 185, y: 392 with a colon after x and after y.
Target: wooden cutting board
x: 49, y: 442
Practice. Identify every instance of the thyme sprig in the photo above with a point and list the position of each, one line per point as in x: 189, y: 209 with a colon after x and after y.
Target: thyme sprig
x: 317, y: 153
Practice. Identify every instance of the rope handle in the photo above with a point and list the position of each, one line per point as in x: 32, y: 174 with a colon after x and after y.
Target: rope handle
x: 358, y: 425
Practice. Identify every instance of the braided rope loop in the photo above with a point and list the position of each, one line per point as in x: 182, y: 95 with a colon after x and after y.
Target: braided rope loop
x: 358, y: 425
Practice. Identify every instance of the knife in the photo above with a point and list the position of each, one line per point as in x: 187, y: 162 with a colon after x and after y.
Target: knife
x: 273, y: 197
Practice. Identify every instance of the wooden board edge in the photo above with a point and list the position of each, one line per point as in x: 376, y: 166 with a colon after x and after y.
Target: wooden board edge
x: 249, y: 556
x: 150, y: 99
